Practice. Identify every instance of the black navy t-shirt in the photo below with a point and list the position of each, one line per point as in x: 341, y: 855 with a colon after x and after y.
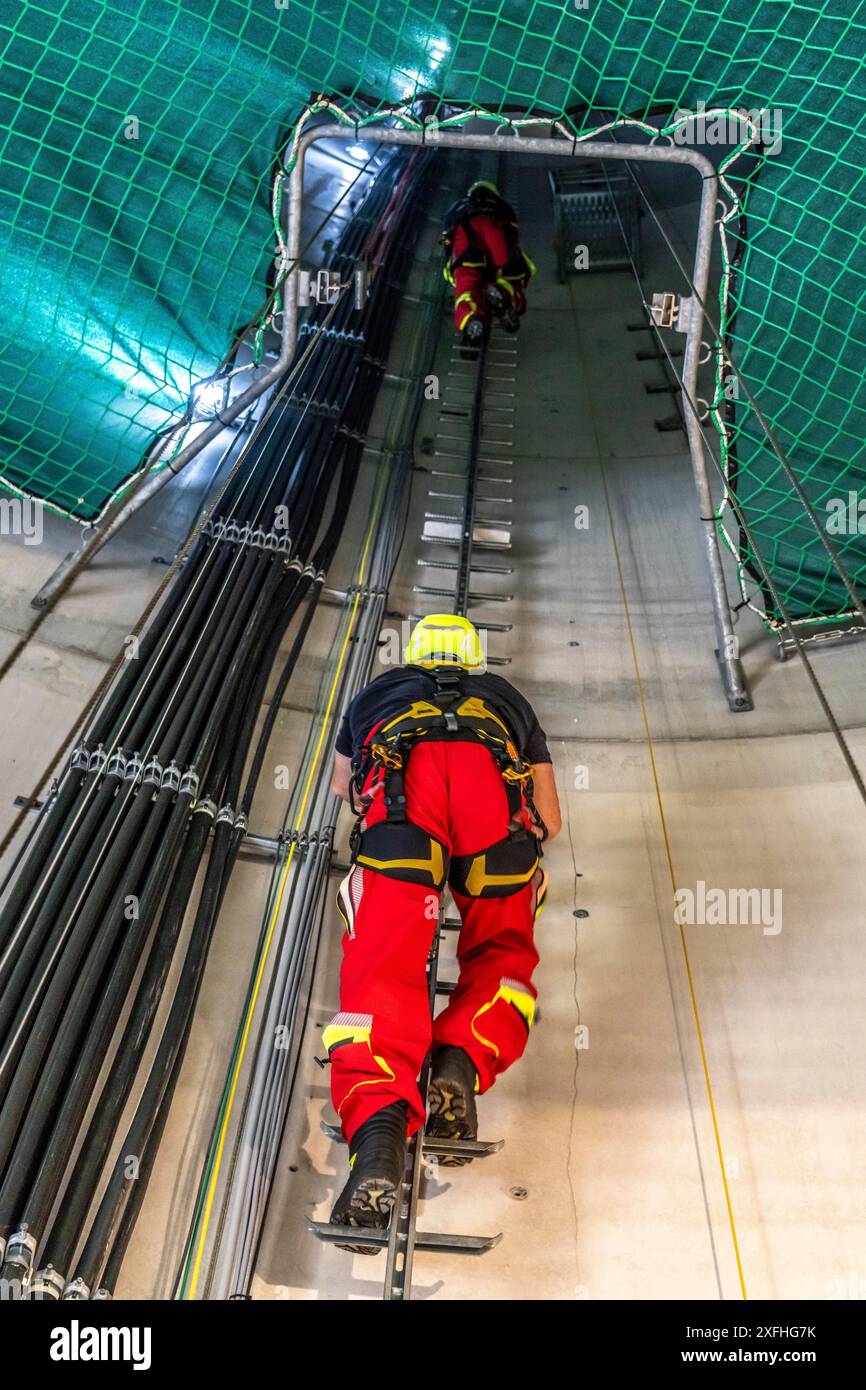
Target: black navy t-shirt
x: 397, y: 688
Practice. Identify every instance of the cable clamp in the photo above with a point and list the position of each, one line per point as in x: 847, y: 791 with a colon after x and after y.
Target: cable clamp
x: 343, y: 335
x: 232, y: 530
x: 81, y: 758
x: 134, y: 765
x: 189, y: 784
x: 21, y: 1243
x: 97, y: 760
x: 153, y: 772
x: 77, y: 1290
x: 240, y: 822
x: 207, y: 807
x: 47, y: 1285
x: 117, y: 764
x: 225, y: 815
x: 258, y: 538
x: 170, y: 778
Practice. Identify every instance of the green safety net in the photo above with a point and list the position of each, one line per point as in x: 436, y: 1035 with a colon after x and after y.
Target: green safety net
x: 137, y: 159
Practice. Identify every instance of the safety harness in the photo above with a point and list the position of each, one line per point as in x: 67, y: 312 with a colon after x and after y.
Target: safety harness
x: 400, y: 849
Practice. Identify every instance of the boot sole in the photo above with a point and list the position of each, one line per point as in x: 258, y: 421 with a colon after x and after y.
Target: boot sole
x: 369, y: 1208
x: 451, y: 1116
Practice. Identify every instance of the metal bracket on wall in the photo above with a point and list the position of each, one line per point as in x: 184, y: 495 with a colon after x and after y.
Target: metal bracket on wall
x: 325, y: 286
x: 674, y: 311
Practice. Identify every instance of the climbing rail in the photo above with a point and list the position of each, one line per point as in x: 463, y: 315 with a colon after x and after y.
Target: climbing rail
x: 471, y: 439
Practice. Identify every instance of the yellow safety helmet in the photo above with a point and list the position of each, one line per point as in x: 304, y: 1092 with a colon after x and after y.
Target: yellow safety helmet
x: 477, y: 186
x: 444, y: 639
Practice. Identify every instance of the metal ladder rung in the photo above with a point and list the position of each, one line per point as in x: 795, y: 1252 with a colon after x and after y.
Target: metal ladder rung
x: 482, y: 477
x: 479, y: 521
x: 476, y: 569
x: 436, y: 1148
x: 449, y: 593
x: 424, y: 1240
x: 462, y: 1148
x: 455, y: 496
x: 482, y: 626
x: 476, y: 544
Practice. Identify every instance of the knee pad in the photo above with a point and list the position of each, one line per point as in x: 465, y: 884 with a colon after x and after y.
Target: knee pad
x: 499, y: 871
x: 404, y: 851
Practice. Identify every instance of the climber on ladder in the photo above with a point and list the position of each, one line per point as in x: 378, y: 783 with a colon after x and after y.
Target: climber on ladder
x: 486, y: 265
x: 449, y: 773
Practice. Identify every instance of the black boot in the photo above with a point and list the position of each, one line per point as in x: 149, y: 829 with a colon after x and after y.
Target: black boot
x: 378, y: 1157
x: 474, y: 334
x: 451, y: 1099
x: 510, y: 319
x: 502, y: 307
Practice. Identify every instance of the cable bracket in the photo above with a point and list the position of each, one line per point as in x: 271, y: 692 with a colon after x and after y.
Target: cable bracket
x: 134, y: 764
x: 671, y: 310
x: 189, y: 784
x: 153, y: 772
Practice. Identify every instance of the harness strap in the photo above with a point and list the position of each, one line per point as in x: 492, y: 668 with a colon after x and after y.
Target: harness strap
x: 440, y: 721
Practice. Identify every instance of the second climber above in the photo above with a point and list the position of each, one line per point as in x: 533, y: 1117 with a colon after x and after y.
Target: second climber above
x: 486, y: 265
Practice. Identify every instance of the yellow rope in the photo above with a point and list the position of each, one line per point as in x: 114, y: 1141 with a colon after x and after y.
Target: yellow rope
x: 669, y: 855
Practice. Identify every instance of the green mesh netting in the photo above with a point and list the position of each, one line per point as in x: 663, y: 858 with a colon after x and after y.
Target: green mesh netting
x: 136, y: 188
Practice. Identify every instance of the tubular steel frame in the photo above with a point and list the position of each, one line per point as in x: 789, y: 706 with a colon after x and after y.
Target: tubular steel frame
x: 733, y: 678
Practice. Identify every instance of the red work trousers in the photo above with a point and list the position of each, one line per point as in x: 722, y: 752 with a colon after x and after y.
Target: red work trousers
x: 455, y: 792
x: 491, y: 257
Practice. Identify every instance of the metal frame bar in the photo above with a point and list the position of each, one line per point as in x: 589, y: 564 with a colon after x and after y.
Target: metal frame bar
x: 730, y: 666
x: 733, y: 678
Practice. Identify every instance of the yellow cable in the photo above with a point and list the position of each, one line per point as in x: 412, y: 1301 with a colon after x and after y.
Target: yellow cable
x: 669, y: 855
x: 206, y: 1214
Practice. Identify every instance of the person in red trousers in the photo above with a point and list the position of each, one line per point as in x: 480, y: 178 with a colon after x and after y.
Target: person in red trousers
x: 451, y: 777
x: 486, y: 265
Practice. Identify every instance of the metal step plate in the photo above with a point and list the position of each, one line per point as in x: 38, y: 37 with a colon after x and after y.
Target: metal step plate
x: 451, y: 531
